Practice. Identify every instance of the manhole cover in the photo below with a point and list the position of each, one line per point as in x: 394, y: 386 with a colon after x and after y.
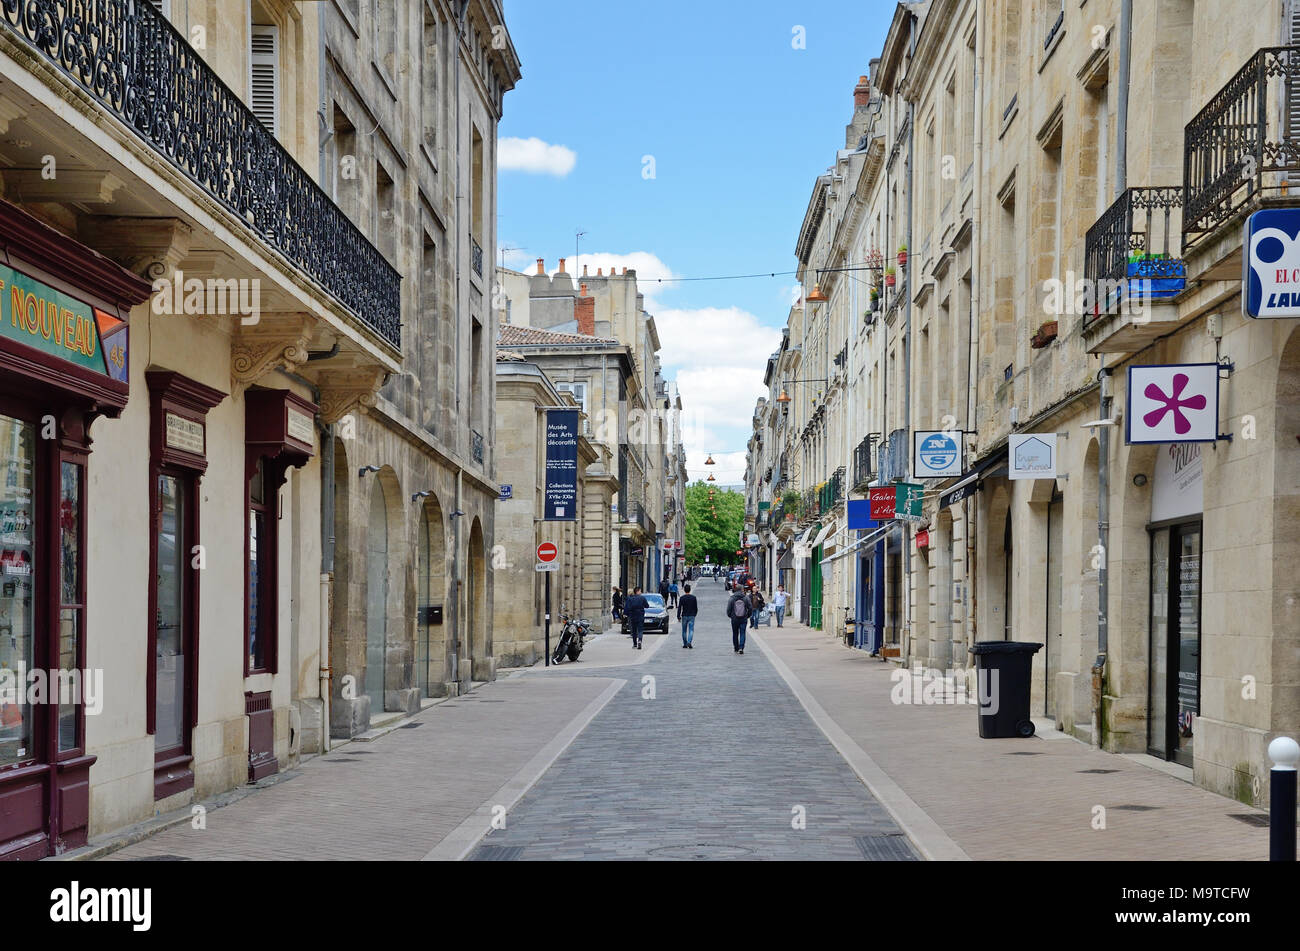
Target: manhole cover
x: 1132, y: 808
x: 885, y: 848
x: 349, y: 761
x: 1024, y: 753
x: 1251, y: 819
x: 162, y: 858
x: 1098, y: 772
x: 358, y: 752
x: 702, y: 852
x: 410, y: 726
x: 497, y: 853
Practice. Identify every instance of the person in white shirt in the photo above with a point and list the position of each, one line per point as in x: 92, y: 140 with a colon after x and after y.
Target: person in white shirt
x: 778, y: 604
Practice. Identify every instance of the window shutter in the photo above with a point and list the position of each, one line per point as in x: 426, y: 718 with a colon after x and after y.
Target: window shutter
x: 265, y: 76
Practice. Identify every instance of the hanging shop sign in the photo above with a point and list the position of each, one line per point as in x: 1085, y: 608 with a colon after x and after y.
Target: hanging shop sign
x: 55, y: 323
x: 937, y: 454
x: 1270, y: 277
x: 860, y: 517
x: 1033, y: 456
x: 882, y: 500
x: 907, y: 502
x: 561, y: 466
x: 1176, y: 403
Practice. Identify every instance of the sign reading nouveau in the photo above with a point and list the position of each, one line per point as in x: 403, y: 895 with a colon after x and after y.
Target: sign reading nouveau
x: 1178, y: 403
x: 49, y: 320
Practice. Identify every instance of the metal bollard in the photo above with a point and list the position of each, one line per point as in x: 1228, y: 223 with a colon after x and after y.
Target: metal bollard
x: 1285, y: 754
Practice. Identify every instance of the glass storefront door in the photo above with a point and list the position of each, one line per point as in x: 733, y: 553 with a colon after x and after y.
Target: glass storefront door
x: 173, y: 577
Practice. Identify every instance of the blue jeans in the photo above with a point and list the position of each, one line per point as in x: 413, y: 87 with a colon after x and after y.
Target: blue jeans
x: 738, y: 633
x: 637, y: 627
x: 780, y: 614
x: 688, y: 629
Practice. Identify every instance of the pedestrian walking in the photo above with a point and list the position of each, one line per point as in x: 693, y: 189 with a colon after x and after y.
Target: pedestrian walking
x: 618, y: 604
x: 778, y: 603
x: 756, y: 604
x: 663, y: 589
x: 687, y: 609
x: 635, y: 607
x: 672, y: 593
x: 738, y: 610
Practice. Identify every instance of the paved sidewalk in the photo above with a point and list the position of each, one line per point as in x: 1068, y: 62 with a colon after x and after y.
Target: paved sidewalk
x: 398, y: 797
x: 1013, y: 798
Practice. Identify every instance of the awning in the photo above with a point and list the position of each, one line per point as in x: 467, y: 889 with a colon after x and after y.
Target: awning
x: 803, y: 536
x: 876, y: 535
x: 821, y: 536
x: 969, y: 483
x: 786, y: 560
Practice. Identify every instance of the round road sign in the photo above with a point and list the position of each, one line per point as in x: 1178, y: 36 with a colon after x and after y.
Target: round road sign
x: 547, y: 552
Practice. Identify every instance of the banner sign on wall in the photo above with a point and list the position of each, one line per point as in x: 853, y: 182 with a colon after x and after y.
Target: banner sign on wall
x: 1176, y: 403
x: 907, y: 502
x: 1177, y: 483
x: 561, y: 466
x: 860, y: 515
x: 1270, y: 278
x: 937, y: 454
x: 1033, y: 456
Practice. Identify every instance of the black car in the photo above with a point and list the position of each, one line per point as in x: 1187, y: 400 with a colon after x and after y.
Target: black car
x: 656, y: 616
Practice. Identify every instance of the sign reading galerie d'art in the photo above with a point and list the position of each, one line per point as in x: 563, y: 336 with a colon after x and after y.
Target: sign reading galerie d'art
x: 36, y: 314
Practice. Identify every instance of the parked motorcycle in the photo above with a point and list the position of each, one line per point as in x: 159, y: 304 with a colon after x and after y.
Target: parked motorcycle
x: 573, y: 637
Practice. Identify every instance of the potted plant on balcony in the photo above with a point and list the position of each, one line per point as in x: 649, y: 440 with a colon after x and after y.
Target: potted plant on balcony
x: 890, y: 276
x: 790, y: 502
x: 902, y: 255
x: 1167, y: 275
x: 1046, y: 334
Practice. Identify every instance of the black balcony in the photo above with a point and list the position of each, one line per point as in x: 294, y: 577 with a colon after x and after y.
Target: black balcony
x: 1242, y: 145
x: 476, y: 256
x: 133, y: 62
x: 863, y: 467
x: 476, y: 445
x: 1135, y: 248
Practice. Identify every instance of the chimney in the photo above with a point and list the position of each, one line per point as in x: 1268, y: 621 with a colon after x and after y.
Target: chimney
x: 600, y: 272
x: 625, y: 272
x: 584, y: 270
x: 541, y: 266
x: 562, y: 265
x: 584, y: 311
x: 862, y: 92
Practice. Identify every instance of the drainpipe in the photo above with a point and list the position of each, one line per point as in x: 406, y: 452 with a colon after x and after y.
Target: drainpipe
x: 326, y: 577
x: 1103, y: 542
x: 972, y: 356
x: 1125, y: 67
x: 459, y: 586
x: 906, y: 553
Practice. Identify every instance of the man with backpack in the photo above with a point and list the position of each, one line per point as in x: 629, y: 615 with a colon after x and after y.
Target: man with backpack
x: 738, y: 610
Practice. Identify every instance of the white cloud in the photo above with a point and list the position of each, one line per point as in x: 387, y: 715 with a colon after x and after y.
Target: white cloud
x: 535, y: 156
x: 711, y: 337
x: 517, y: 259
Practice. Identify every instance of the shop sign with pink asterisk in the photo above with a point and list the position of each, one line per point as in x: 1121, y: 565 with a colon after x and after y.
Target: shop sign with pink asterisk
x: 1178, y: 403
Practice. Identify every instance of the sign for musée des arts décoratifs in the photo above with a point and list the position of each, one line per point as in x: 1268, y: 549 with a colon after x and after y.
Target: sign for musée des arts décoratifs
x: 54, y: 323
x: 561, y: 504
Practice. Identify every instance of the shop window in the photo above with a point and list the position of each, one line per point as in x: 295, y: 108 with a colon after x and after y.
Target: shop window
x: 17, y: 584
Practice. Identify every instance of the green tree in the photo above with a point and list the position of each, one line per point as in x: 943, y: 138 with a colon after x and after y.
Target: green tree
x: 718, y: 536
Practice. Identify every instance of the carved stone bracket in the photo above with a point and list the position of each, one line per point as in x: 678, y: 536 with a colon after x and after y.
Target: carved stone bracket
x: 261, y: 348
x: 153, y: 247
x: 348, y: 391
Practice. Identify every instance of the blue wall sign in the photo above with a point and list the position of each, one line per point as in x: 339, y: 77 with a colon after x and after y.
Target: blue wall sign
x: 507, y: 493
x: 938, y: 455
x: 561, y: 503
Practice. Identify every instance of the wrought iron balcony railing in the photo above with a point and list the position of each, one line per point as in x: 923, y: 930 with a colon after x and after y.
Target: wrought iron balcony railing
x: 131, y: 60
x: 863, y: 467
x: 476, y: 445
x: 1244, y: 143
x: 476, y: 256
x: 1135, y: 247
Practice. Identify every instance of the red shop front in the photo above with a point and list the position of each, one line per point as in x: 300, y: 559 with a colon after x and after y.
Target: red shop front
x: 64, y: 361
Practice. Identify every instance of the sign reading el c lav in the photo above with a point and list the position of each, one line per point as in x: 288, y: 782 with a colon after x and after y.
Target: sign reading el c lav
x: 51, y: 321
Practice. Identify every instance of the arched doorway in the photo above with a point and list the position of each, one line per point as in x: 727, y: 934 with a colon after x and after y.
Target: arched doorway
x: 376, y: 595
x: 476, y: 606
x: 431, y: 662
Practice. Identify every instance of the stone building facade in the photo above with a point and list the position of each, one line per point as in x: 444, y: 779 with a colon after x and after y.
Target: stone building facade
x: 1072, y: 212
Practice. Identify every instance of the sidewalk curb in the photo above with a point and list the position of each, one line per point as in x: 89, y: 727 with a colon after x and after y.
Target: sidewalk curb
x: 930, y: 840
x: 462, y: 839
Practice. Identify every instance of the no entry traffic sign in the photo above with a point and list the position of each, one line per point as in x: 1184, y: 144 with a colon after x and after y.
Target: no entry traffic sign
x: 547, y: 552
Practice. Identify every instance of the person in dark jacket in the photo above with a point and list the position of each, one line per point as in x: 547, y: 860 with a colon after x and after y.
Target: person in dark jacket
x: 756, y: 603
x: 634, y: 609
x: 738, y: 611
x: 618, y: 604
x: 687, y: 609
x: 663, y: 589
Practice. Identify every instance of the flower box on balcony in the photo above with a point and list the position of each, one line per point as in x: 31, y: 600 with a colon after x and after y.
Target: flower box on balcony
x: 890, y: 277
x: 902, y: 256
x: 1155, y: 276
x: 1046, y: 334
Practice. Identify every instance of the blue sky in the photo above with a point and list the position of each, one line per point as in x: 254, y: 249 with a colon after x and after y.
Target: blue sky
x: 737, y: 123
